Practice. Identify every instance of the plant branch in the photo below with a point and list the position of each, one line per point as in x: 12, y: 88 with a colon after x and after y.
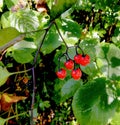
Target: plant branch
x: 77, y: 46
x: 33, y: 72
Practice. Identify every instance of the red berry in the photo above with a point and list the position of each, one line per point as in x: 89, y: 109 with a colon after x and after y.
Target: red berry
x: 69, y: 64
x: 76, y: 74
x: 61, y: 74
x: 77, y: 58
x: 82, y: 60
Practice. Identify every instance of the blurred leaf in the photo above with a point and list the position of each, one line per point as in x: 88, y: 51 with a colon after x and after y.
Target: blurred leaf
x: 69, y: 88
x: 59, y: 7
x: 11, y: 3
x: 7, y: 100
x: 4, y: 74
x: 35, y: 112
x: 43, y: 20
x: 108, y: 60
x: 8, y: 34
x: 2, y: 121
x: 52, y: 41
x: 1, y: 5
x: 24, y: 20
x: 116, y: 119
x: 115, y: 62
x: 90, y: 103
x: 4, y: 20
x: 44, y: 104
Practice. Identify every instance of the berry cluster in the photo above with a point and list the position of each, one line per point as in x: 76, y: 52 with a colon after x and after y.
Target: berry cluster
x: 76, y: 73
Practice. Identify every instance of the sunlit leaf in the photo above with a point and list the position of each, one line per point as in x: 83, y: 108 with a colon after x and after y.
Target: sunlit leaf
x: 108, y: 60
x: 59, y: 7
x: 1, y: 5
x: 116, y: 119
x: 24, y: 20
x: 4, y: 74
x: 23, y: 44
x: 11, y: 3
x: 90, y: 69
x: 52, y: 41
x: 4, y: 20
x: 8, y: 34
x: 71, y: 31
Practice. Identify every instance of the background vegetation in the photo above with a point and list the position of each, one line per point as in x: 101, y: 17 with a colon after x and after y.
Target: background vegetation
x: 36, y: 38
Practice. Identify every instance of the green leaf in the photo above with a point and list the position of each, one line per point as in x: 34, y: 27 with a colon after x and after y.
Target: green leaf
x: 8, y: 34
x: 69, y: 88
x: 59, y: 7
x: 71, y: 27
x: 22, y: 56
x: 89, y: 44
x: 23, y: 44
x: 24, y: 20
x: 90, y: 69
x: 90, y: 103
x: 52, y: 41
x: 1, y: 5
x: 2, y: 121
x: 4, y: 19
x: 22, y: 51
x: 108, y: 60
x: 116, y: 119
x: 4, y: 74
x: 115, y: 62
x: 44, y: 104
x: 11, y: 3
x: 71, y: 31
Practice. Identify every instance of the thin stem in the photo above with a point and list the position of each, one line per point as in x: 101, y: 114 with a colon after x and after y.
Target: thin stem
x: 33, y: 94
x: 15, y: 116
x: 18, y: 72
x: 66, y: 53
x: 77, y: 46
x: 61, y: 35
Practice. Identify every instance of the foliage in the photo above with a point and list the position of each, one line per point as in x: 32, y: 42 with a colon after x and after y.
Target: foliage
x: 36, y: 39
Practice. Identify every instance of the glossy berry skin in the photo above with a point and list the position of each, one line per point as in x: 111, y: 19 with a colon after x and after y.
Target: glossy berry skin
x: 61, y: 74
x: 76, y: 74
x: 82, y: 59
x: 69, y: 64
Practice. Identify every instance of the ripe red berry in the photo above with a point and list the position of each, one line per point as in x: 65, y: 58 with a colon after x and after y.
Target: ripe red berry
x: 76, y: 74
x: 82, y: 60
x: 61, y: 74
x: 69, y: 64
